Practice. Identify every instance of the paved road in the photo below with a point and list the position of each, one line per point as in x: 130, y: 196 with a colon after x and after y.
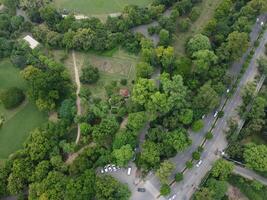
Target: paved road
x: 249, y: 174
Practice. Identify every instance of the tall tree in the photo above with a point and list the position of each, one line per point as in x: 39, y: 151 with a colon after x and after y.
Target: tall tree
x: 164, y: 171
x: 207, y: 99
x: 197, y: 43
x: 222, y: 169
x: 237, y: 44
x: 255, y: 157
x: 123, y: 155
x: 109, y: 188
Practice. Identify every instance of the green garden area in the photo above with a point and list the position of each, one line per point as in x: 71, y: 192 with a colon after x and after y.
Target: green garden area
x: 113, y: 66
x: 19, y: 121
x: 97, y: 7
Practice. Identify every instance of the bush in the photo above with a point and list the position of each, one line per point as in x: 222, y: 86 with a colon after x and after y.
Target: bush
x: 200, y: 149
x: 184, y: 24
x: 198, y: 125
x: 153, y: 30
x: 189, y: 164
x: 143, y: 70
x: 164, y: 37
x: 195, y: 13
x: 165, y: 190
x: 85, y: 93
x: 179, y: 177
x: 196, y: 155
x: 89, y: 75
x: 220, y: 114
x: 209, y: 135
x: 123, y: 81
x: 12, y: 97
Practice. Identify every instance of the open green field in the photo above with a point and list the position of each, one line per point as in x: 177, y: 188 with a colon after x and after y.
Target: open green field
x: 97, y: 7
x: 207, y: 8
x: 113, y: 66
x: 20, y: 121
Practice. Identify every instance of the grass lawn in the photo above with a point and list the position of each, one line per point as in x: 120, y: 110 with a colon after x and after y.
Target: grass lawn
x: 207, y: 7
x: 97, y: 7
x: 112, y: 65
x: 20, y: 121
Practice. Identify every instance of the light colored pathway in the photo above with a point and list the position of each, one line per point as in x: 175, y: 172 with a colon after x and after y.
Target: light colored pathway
x: 249, y: 174
x: 78, y: 100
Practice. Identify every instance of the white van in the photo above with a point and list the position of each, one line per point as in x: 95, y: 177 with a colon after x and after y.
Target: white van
x: 129, y: 171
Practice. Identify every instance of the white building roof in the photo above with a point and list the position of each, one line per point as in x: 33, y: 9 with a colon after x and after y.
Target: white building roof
x: 32, y: 42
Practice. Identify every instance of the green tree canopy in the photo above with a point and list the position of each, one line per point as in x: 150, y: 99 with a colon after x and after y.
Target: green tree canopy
x: 255, y: 157
x: 197, y: 43
x: 109, y: 188
x: 123, y: 155
x: 164, y: 171
x: 222, y: 169
x: 237, y: 44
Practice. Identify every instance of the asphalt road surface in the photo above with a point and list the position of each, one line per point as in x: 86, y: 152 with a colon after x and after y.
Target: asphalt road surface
x: 249, y: 174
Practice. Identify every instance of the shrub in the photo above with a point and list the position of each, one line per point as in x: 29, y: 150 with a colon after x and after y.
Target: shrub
x: 196, y: 155
x: 179, y: 177
x: 209, y: 135
x: 165, y: 190
x: 12, y: 97
x: 189, y: 164
x: 85, y: 93
x: 198, y: 125
x: 200, y: 149
x: 184, y: 24
x: 195, y: 13
x: 220, y: 114
x: 123, y: 81
x: 89, y: 75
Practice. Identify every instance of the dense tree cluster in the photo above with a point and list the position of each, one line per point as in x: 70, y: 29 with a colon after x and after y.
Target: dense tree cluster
x: 48, y: 82
x: 162, y: 110
x: 12, y: 97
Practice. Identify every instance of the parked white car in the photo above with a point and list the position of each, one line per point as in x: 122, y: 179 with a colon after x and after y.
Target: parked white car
x: 172, y: 197
x: 199, y: 163
x: 215, y: 114
x: 129, y: 171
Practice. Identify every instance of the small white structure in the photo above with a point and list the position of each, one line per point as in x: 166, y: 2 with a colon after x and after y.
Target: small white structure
x: 78, y: 17
x: 32, y: 42
x: 115, y: 14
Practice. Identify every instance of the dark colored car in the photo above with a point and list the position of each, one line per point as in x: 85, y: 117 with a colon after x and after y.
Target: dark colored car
x: 141, y: 189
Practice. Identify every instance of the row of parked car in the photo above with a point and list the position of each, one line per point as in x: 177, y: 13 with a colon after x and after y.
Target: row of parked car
x: 109, y: 168
x: 114, y: 168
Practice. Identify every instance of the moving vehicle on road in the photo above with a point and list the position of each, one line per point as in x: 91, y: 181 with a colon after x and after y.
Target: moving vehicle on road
x: 141, y: 189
